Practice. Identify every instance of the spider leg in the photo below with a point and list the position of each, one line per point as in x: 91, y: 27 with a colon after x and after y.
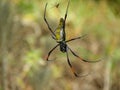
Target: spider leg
x: 76, y: 38
x: 51, y: 52
x: 89, y: 61
x: 67, y: 10
x: 47, y: 21
x: 65, y: 16
x: 72, y: 69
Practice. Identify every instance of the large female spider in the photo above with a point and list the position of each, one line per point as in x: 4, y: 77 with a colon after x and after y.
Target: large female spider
x: 60, y: 36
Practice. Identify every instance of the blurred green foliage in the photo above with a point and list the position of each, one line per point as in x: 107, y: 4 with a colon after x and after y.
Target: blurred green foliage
x: 26, y: 6
x: 28, y: 42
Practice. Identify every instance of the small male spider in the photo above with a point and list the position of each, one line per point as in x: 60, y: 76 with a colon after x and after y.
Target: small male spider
x: 60, y: 36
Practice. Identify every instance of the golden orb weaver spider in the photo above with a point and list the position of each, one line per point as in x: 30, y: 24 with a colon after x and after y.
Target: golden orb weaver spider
x: 60, y: 36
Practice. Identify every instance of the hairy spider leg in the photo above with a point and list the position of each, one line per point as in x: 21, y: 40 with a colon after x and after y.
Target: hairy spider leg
x: 89, y: 61
x: 47, y: 21
x: 72, y: 68
x: 76, y: 38
x: 64, y: 23
x: 51, y: 52
x: 66, y: 11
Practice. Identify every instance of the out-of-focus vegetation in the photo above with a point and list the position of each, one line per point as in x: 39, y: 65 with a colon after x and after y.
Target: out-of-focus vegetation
x: 25, y: 41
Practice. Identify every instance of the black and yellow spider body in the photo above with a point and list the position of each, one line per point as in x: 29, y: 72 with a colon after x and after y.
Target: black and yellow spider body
x: 60, y: 32
x: 59, y: 36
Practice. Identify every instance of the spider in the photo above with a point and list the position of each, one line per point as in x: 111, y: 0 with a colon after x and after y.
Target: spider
x: 59, y: 36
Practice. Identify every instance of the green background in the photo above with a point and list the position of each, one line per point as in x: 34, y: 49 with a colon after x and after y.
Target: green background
x: 25, y: 42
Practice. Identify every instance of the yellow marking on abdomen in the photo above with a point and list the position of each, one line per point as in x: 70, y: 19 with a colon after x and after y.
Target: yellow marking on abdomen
x: 58, y: 35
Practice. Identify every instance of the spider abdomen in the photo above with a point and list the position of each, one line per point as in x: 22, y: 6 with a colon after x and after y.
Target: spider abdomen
x: 63, y: 47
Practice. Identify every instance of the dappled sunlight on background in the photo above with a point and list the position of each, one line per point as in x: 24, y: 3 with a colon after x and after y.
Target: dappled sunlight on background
x: 25, y: 42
